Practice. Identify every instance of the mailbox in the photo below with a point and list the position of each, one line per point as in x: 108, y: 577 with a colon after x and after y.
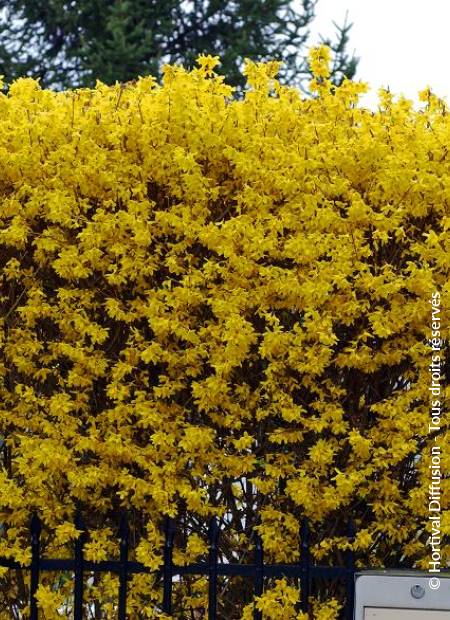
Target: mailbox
x: 402, y: 595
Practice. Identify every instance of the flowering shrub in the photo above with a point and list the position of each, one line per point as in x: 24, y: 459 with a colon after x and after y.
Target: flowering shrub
x: 213, y: 306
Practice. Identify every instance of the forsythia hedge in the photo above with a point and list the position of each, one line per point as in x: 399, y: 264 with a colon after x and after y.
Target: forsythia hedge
x: 213, y: 306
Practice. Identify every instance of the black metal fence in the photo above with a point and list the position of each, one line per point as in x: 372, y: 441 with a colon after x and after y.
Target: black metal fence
x: 258, y: 571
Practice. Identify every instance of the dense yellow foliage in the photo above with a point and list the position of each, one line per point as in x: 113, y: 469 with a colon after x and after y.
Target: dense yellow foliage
x: 219, y: 306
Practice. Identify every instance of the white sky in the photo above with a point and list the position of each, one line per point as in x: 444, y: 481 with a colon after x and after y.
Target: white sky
x: 403, y: 44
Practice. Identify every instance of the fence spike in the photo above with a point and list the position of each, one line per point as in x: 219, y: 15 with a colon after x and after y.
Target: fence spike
x: 35, y: 527
x: 123, y: 575
x: 35, y: 534
x: 213, y: 536
x: 169, y: 530
x: 259, y: 573
x: 305, y: 565
x: 214, y: 531
x: 123, y: 527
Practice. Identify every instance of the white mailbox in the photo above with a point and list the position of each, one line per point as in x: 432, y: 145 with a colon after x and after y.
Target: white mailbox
x: 402, y: 595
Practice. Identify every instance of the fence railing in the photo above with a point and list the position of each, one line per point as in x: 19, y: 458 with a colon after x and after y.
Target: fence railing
x: 258, y: 571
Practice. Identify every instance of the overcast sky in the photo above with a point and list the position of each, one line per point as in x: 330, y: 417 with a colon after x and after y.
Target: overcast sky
x: 403, y: 44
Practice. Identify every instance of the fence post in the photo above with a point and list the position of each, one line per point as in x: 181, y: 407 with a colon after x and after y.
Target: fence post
x: 169, y: 532
x: 79, y: 561
x: 259, y: 574
x: 304, y: 564
x: 35, y: 534
x: 123, y: 576
x: 214, y: 531
x: 350, y: 561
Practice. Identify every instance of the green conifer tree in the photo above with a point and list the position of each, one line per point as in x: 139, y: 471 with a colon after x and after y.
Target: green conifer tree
x: 71, y: 43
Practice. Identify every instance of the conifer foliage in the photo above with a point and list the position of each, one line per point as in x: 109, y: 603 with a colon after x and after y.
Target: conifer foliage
x: 71, y: 44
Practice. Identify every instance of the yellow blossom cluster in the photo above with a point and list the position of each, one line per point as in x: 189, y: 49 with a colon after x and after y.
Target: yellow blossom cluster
x: 219, y: 306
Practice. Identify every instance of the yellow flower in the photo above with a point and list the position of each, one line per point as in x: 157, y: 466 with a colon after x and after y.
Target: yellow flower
x: 208, y: 63
x: 319, y: 61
